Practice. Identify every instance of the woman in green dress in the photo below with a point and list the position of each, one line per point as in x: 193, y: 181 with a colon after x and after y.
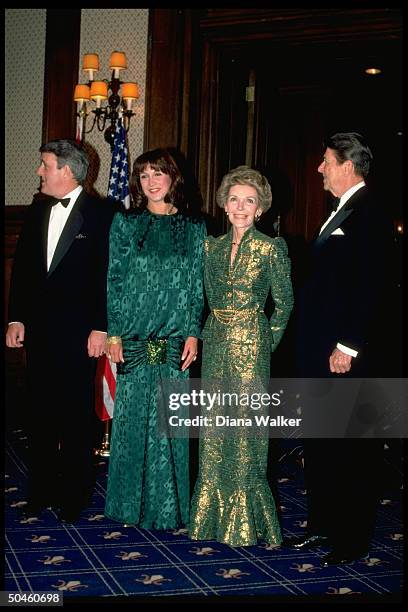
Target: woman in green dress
x: 232, y: 501
x: 155, y: 303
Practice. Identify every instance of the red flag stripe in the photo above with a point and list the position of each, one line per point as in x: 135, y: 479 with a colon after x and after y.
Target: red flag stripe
x: 103, y: 396
x: 108, y: 401
x: 110, y: 376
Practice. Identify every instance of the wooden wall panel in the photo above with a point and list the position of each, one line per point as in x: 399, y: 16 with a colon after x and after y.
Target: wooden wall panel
x: 164, y: 79
x: 63, y: 31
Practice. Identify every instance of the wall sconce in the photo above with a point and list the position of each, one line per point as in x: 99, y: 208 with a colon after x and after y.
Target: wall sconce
x: 372, y: 70
x: 118, y: 102
x: 398, y: 227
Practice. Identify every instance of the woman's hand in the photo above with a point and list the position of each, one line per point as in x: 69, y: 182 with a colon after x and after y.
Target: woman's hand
x: 189, y: 352
x: 115, y: 352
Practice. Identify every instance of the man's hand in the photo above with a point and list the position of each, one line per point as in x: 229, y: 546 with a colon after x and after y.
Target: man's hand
x: 96, y: 343
x: 15, y: 335
x: 340, y: 362
x: 189, y: 352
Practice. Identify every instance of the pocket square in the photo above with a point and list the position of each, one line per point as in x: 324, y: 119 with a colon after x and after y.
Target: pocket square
x: 79, y: 236
x: 337, y: 232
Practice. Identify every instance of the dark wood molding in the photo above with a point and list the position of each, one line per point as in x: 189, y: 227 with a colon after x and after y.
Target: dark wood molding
x: 63, y: 30
x: 298, y: 25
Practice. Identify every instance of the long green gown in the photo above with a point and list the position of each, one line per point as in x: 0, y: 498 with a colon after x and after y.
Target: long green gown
x: 155, y: 301
x: 232, y: 501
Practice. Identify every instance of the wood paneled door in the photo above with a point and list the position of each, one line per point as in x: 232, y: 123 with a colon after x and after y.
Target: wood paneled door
x: 276, y: 103
x: 264, y: 86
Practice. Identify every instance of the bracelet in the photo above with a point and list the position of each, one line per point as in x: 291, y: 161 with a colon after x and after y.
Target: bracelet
x: 114, y: 340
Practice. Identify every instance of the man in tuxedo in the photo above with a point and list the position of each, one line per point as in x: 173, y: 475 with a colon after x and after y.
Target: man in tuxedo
x: 57, y: 311
x: 337, y: 311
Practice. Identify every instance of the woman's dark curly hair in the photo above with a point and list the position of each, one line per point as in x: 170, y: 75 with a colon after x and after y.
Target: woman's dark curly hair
x: 163, y: 160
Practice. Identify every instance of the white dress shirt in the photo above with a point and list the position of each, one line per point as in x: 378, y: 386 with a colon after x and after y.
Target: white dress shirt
x: 346, y: 196
x: 58, y: 218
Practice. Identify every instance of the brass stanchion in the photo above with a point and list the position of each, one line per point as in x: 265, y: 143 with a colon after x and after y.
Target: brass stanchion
x: 104, y: 450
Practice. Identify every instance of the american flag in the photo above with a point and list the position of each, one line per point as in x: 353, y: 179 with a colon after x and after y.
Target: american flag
x: 119, y: 173
x: 118, y: 189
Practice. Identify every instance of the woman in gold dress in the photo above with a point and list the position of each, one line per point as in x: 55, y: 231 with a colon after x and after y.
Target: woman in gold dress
x: 232, y: 501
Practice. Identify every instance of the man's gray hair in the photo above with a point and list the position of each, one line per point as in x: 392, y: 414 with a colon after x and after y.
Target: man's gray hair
x: 69, y: 153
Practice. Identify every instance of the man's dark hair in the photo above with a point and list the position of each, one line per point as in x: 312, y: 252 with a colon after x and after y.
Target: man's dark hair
x: 351, y: 146
x: 69, y: 153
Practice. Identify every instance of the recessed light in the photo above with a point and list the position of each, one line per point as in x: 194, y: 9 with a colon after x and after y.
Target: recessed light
x: 373, y: 70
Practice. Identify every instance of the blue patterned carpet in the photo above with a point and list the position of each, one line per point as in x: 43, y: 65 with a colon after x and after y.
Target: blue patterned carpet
x: 100, y: 559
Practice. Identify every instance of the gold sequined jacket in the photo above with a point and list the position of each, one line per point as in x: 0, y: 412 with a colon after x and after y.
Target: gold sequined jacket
x: 237, y: 293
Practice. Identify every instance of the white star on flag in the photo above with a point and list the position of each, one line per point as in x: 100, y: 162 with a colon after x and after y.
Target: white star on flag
x: 119, y: 174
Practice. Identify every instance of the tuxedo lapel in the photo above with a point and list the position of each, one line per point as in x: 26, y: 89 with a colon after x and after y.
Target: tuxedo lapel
x: 71, y: 229
x: 334, y: 224
x: 342, y: 215
x: 44, y: 234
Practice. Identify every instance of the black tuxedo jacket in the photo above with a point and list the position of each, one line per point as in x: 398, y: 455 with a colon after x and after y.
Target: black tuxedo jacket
x: 340, y: 299
x: 64, y: 304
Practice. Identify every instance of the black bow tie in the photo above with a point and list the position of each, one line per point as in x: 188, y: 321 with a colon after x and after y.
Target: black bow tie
x: 64, y: 201
x: 335, y: 203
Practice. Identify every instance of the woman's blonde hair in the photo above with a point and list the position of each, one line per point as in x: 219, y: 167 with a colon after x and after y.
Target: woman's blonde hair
x: 244, y: 175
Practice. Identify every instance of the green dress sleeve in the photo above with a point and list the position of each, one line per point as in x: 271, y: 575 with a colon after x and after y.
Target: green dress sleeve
x: 119, y: 256
x: 198, y: 233
x: 281, y: 289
